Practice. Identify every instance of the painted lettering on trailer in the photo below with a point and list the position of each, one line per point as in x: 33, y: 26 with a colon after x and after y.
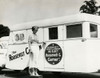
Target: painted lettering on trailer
x: 21, y: 54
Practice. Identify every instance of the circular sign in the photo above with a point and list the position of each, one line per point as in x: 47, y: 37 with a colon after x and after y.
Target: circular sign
x: 53, y: 53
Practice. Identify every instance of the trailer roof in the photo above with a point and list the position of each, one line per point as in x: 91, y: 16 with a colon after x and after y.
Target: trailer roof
x: 59, y: 20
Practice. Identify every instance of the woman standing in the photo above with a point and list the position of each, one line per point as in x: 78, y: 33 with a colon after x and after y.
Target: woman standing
x: 34, y: 48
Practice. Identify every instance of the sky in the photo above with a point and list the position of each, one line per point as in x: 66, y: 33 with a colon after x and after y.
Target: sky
x: 19, y: 11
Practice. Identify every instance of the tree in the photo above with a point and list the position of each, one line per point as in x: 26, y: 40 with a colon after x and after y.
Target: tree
x: 4, y: 31
x: 90, y: 7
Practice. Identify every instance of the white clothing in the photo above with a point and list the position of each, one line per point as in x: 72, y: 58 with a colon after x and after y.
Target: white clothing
x: 34, y: 55
x: 33, y: 45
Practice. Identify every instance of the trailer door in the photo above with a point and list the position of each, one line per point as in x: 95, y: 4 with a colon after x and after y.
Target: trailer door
x: 53, y: 51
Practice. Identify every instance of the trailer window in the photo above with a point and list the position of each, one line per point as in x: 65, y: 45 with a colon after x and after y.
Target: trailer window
x: 74, y: 31
x: 93, y: 30
x: 53, y: 33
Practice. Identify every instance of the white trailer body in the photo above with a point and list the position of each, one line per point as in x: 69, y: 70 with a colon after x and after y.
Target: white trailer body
x: 3, y: 51
x: 72, y: 44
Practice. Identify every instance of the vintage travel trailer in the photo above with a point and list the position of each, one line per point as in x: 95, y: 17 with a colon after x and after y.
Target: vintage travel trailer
x: 72, y: 44
x: 3, y: 51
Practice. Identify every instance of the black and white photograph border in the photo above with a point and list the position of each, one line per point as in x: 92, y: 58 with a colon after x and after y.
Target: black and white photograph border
x: 49, y: 39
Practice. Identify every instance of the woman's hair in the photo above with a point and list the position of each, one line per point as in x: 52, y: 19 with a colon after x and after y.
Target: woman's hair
x: 35, y: 28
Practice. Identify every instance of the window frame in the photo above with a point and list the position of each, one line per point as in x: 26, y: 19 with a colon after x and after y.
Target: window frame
x: 56, y: 33
x: 93, y: 31
x: 81, y: 24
